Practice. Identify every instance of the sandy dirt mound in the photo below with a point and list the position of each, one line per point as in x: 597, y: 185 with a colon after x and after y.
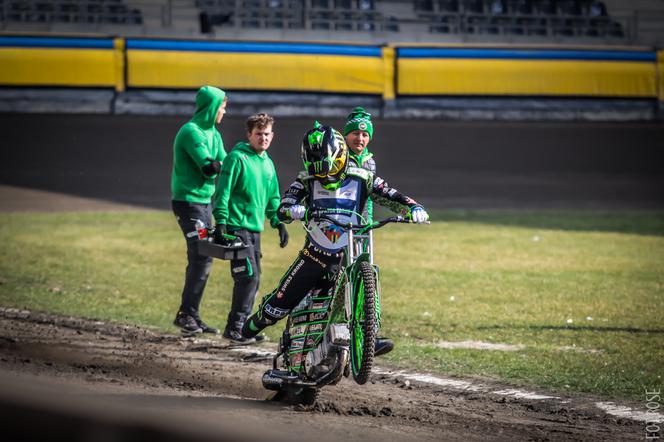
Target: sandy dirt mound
x: 90, y: 380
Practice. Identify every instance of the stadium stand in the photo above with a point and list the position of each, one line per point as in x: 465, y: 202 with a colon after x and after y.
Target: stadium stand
x: 339, y: 15
x: 421, y: 20
x: 69, y: 11
x: 364, y: 21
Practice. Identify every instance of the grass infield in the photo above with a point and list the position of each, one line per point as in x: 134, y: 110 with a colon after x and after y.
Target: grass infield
x: 577, y: 297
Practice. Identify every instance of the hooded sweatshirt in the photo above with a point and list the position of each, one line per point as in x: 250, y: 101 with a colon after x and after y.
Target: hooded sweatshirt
x: 197, y: 144
x: 248, y: 190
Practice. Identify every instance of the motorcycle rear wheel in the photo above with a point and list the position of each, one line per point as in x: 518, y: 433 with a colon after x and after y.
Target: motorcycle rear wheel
x: 363, y: 324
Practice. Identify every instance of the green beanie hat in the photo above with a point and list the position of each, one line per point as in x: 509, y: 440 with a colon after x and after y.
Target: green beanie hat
x: 358, y: 119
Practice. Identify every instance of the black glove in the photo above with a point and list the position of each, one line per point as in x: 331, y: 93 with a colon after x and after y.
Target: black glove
x: 211, y: 168
x: 283, y: 235
x: 219, y: 233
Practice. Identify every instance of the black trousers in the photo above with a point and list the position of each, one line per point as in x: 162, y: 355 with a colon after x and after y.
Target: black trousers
x: 246, y: 275
x: 198, y: 266
x: 309, y: 271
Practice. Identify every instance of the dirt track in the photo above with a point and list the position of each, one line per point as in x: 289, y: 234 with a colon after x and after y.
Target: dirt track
x: 87, y: 380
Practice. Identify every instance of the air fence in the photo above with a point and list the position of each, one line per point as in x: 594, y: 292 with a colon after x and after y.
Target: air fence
x: 157, y: 76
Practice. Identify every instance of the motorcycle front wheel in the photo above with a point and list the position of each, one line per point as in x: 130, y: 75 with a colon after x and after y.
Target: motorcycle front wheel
x: 363, y: 323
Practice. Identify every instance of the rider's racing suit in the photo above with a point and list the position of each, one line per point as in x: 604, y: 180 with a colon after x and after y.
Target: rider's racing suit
x: 323, y: 247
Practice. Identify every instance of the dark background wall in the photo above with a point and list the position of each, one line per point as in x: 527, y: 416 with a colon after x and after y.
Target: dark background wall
x: 444, y: 164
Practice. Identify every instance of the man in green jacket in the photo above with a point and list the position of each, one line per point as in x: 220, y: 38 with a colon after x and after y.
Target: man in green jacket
x: 358, y: 132
x: 198, y: 152
x: 248, y: 192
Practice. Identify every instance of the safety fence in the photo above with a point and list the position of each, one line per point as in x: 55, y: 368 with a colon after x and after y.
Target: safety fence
x: 385, y: 71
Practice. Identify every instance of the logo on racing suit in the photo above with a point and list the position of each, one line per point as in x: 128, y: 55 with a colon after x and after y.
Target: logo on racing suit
x: 315, y: 328
x: 297, y: 344
x: 305, y: 252
x: 317, y: 316
x: 288, y: 280
x: 275, y: 312
x: 300, y: 329
x: 333, y: 233
x: 296, y: 359
x: 310, y: 342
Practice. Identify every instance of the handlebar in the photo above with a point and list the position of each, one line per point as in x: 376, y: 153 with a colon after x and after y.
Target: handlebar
x: 360, y: 228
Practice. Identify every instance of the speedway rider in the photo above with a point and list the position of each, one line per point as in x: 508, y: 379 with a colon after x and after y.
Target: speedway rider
x: 328, y: 182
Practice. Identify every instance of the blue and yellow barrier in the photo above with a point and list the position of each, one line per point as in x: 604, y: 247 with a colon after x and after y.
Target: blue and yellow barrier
x: 533, y: 72
x: 266, y: 66
x: 660, y: 74
x: 61, y: 61
x: 404, y: 70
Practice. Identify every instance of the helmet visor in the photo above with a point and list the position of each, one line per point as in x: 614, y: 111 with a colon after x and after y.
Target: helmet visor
x: 338, y: 164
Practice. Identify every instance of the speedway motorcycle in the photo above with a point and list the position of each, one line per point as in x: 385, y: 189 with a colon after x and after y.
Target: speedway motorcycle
x: 332, y: 332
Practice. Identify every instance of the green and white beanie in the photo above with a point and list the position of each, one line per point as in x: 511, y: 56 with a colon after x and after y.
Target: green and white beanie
x: 359, y: 119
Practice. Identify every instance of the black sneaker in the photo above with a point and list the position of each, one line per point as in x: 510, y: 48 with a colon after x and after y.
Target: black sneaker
x: 237, y: 338
x: 187, y: 324
x: 383, y: 346
x: 206, y: 328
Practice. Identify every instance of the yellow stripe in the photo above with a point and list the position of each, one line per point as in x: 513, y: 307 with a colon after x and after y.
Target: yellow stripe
x: 57, y: 67
x: 119, y: 50
x: 389, y: 53
x: 526, y: 77
x: 324, y: 73
x: 660, y: 73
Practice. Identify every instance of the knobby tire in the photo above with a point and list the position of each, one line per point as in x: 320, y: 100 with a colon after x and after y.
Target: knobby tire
x: 363, y: 326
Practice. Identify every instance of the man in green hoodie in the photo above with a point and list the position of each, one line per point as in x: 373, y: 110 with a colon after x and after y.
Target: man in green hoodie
x: 198, y: 152
x: 248, y: 192
x: 358, y: 132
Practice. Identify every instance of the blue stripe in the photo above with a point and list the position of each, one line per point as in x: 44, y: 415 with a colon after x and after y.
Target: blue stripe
x: 48, y: 42
x: 265, y: 48
x: 526, y: 54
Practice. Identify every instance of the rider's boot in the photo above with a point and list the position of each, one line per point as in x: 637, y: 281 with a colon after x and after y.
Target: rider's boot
x: 383, y: 346
x: 261, y: 319
x: 253, y: 326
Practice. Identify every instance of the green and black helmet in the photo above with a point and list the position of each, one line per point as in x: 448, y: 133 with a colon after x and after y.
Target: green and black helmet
x: 325, y: 155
